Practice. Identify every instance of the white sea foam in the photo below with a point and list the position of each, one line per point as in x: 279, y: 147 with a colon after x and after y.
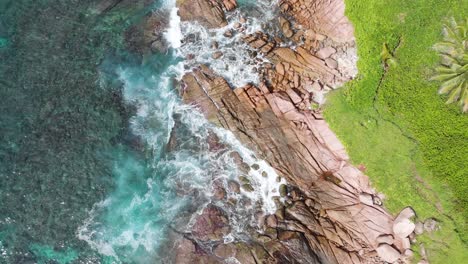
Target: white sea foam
x: 237, y: 64
x: 174, y: 33
x: 145, y: 205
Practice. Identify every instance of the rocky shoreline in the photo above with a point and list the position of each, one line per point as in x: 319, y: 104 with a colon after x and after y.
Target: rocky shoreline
x: 330, y: 213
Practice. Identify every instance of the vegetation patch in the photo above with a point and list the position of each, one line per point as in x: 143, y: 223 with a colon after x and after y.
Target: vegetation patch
x: 393, y: 121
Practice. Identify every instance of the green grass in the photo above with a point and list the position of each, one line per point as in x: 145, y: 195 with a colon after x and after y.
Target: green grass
x: 414, y: 146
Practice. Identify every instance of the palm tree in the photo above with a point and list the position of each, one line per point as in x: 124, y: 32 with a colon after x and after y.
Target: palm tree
x: 453, y: 71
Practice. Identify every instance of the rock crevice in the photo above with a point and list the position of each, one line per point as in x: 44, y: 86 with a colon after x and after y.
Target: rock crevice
x: 329, y: 205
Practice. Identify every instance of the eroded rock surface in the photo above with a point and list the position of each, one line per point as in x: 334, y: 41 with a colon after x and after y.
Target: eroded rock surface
x: 326, y: 17
x: 327, y: 211
x: 331, y: 214
x: 206, y: 12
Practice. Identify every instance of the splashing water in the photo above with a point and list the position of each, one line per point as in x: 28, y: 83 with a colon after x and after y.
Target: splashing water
x: 162, y: 187
x: 237, y: 63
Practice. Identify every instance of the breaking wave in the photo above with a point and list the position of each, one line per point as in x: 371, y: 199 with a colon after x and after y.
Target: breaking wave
x: 169, y: 174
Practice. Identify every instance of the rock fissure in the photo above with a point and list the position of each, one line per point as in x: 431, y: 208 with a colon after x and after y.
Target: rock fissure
x: 327, y: 201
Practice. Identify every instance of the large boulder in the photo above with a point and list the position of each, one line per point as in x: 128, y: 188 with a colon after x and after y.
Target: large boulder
x: 403, y: 228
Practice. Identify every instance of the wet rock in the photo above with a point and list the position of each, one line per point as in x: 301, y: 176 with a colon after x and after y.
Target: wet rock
x: 239, y: 161
x: 211, y: 225
x: 228, y: 33
x: 283, y: 190
x: 264, y: 116
x: 234, y: 186
x: 159, y: 45
x: 219, y: 192
x: 247, y: 187
x: 214, y: 142
x: 388, y: 253
x: 186, y: 250
x: 225, y: 250
x: 217, y: 55
x: 287, y: 235
x: 243, y: 179
x: 271, y: 221
x: 298, y: 143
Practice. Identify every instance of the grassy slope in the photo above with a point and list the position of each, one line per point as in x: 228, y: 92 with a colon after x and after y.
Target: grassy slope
x: 414, y: 146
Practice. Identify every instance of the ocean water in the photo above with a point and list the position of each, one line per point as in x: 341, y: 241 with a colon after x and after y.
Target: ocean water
x: 99, y: 158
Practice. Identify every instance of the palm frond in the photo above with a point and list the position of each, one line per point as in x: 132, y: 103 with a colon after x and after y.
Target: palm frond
x: 444, y: 76
x: 446, y: 87
x: 454, y: 95
x: 453, y: 71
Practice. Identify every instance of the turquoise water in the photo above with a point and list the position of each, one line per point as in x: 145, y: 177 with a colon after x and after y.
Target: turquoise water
x: 65, y: 139
x: 99, y: 158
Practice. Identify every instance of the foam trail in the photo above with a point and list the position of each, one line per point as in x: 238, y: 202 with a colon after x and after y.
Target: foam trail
x: 164, y: 185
